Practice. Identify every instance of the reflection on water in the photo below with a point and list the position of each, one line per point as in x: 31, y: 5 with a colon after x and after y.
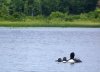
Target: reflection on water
x: 36, y: 49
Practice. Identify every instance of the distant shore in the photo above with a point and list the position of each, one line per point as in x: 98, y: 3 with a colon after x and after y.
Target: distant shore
x: 55, y: 19
x: 49, y: 23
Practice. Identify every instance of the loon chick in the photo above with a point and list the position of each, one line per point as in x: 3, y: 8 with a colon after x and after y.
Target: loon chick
x: 59, y: 60
x: 72, y: 59
x: 64, y: 59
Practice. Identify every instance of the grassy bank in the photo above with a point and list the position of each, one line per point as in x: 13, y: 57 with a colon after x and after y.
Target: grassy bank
x: 50, y: 23
x: 55, y: 19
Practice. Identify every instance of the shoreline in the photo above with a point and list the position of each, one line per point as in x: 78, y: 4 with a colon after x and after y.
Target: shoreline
x: 47, y: 23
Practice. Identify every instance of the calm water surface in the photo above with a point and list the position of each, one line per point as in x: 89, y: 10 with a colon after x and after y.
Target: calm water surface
x: 36, y: 49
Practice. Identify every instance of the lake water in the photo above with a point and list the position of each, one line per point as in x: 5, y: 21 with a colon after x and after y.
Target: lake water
x: 36, y: 49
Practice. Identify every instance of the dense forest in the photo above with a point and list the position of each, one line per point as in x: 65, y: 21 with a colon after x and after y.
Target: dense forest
x: 60, y: 13
x: 45, y: 7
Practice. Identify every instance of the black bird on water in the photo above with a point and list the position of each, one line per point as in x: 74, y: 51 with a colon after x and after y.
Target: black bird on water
x: 72, y: 59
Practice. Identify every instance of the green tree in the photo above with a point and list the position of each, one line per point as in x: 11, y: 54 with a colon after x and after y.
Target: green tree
x: 16, y: 6
x: 64, y: 6
x: 4, y: 10
x: 49, y: 6
x: 81, y: 6
x: 45, y: 7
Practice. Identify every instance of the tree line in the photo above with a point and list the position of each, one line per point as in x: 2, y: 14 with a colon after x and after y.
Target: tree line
x: 45, y: 7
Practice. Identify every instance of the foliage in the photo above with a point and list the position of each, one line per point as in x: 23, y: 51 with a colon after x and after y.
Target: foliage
x: 46, y: 7
x: 56, y: 15
x: 67, y: 10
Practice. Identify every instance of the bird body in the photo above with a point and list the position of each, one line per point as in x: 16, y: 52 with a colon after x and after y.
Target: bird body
x: 64, y: 59
x: 72, y: 59
x: 59, y: 60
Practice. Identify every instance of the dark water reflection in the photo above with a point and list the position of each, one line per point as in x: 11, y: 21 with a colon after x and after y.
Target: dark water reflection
x: 36, y: 49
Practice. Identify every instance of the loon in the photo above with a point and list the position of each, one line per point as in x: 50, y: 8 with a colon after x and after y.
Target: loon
x: 72, y: 59
x: 59, y: 60
x: 64, y: 60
